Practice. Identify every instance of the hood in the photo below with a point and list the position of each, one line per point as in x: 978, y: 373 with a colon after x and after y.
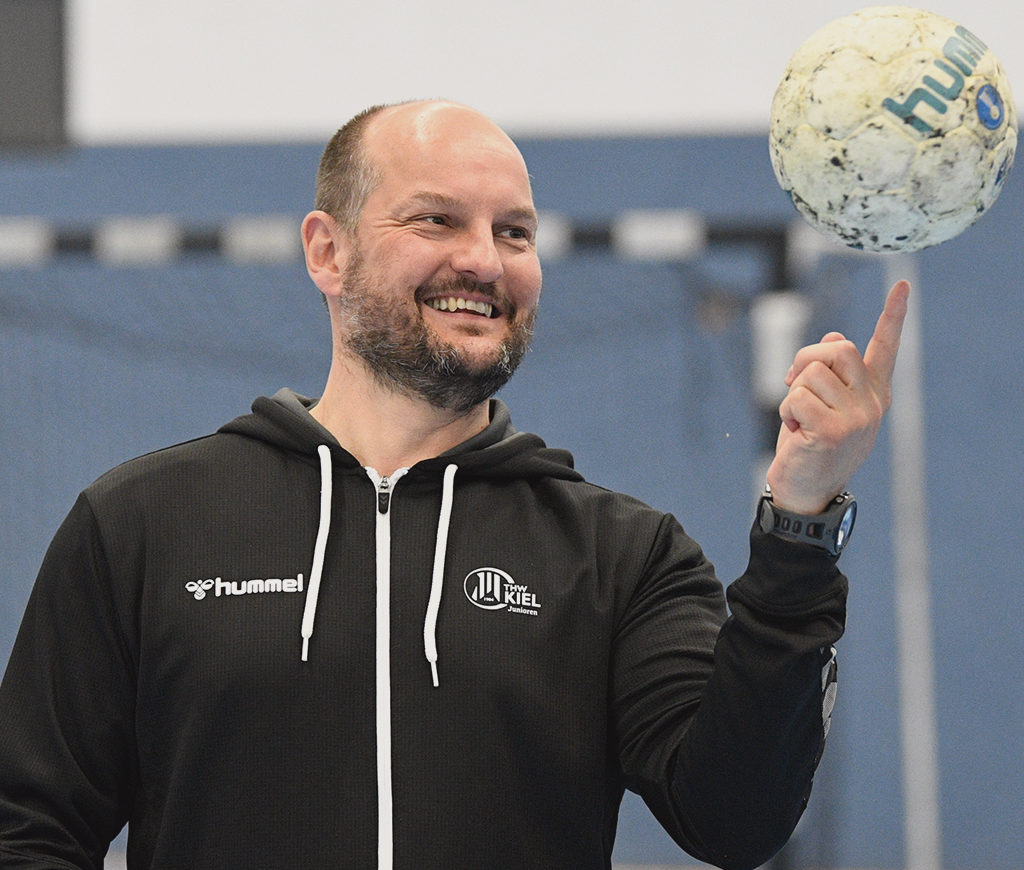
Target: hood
x: 498, y: 452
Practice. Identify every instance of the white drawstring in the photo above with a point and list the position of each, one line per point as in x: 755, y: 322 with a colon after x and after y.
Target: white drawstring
x: 437, y: 575
x: 437, y: 578
x: 313, y: 592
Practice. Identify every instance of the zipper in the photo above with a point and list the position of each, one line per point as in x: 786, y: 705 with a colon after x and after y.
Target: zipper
x: 383, y: 495
x: 384, y: 487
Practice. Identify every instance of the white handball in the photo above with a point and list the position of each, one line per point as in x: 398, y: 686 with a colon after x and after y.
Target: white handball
x: 893, y: 129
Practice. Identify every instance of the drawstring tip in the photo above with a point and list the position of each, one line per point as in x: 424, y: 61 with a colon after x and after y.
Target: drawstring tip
x: 305, y: 649
x: 433, y: 672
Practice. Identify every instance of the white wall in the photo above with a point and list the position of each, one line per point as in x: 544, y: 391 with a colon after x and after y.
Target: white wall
x: 269, y: 70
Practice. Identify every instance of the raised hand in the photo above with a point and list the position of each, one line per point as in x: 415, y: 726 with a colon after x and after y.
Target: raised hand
x: 833, y: 411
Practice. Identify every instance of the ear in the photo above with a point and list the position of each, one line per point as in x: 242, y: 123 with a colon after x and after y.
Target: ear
x: 326, y: 245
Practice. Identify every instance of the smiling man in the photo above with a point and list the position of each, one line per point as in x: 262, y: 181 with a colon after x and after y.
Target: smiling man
x: 479, y: 650
x: 432, y: 280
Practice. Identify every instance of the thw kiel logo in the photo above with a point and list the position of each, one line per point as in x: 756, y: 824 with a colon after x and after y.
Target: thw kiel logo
x: 256, y: 586
x: 493, y: 589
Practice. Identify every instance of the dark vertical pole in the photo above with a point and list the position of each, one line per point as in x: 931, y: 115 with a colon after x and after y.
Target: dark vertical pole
x: 32, y: 74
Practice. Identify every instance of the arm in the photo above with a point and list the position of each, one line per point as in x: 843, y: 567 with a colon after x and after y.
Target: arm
x: 729, y: 774
x: 67, y: 763
x: 746, y: 762
x: 720, y: 726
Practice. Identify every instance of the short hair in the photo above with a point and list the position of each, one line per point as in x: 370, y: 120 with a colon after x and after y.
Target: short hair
x: 346, y: 176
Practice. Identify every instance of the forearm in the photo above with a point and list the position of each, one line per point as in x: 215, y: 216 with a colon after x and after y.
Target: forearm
x: 744, y: 769
x: 721, y: 722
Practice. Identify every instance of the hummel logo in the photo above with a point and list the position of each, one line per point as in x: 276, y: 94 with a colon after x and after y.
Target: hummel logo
x: 256, y: 586
x: 493, y: 589
x: 199, y: 588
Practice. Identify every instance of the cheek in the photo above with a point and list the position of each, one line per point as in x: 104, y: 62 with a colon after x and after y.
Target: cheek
x: 405, y: 261
x: 527, y: 284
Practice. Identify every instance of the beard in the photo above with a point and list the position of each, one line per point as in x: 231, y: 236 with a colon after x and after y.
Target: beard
x: 405, y: 356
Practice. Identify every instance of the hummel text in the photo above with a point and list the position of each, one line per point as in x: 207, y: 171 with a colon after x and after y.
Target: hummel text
x: 256, y: 586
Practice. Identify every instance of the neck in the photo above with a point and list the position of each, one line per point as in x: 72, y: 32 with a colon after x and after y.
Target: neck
x: 387, y: 430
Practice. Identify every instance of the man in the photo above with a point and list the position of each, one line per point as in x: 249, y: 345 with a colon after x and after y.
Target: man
x: 386, y: 629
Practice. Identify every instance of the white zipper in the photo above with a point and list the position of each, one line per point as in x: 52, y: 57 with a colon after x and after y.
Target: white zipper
x: 384, y: 487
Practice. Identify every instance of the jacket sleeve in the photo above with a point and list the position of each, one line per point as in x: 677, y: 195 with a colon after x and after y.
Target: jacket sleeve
x: 728, y: 769
x: 66, y: 712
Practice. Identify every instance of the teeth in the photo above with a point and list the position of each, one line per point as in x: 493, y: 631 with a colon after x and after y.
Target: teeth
x: 454, y: 303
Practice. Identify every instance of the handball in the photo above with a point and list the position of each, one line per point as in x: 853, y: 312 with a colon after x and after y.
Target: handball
x: 893, y: 129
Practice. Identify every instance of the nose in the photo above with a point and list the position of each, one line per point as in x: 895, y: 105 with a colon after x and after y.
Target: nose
x: 476, y: 256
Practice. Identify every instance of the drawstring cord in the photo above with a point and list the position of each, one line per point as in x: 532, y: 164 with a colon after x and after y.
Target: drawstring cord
x: 437, y: 574
x: 313, y: 592
x: 437, y: 577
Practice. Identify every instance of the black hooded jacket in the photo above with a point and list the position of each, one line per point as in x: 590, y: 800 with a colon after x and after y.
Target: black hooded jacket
x: 261, y: 655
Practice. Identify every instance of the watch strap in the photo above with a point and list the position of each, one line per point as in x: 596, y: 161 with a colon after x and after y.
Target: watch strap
x: 829, y: 530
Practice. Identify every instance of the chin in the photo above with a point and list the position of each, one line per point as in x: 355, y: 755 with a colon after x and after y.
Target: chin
x: 474, y: 343
x: 482, y: 355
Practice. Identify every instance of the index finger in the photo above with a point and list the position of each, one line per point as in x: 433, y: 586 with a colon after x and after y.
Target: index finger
x: 880, y: 355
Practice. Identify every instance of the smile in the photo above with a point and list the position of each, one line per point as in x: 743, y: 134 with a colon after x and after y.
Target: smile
x: 457, y: 303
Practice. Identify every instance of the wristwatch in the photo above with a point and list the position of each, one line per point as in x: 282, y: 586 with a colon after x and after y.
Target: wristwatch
x: 829, y: 530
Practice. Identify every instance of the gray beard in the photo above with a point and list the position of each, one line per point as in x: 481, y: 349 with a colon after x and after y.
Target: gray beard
x: 406, y: 357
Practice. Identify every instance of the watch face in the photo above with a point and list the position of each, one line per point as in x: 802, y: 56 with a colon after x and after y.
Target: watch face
x: 846, y: 526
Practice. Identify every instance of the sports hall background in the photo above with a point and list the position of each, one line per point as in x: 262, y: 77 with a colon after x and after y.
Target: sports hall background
x: 151, y: 286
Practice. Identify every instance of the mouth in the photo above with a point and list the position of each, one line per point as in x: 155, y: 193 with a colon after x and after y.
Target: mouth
x: 460, y: 303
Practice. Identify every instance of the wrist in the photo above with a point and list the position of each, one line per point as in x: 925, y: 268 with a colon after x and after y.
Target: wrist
x: 828, y: 529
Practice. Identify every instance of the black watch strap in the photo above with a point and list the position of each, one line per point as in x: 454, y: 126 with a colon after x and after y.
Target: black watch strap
x: 829, y: 530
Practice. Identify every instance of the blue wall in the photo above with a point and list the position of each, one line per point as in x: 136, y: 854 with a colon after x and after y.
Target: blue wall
x: 629, y: 370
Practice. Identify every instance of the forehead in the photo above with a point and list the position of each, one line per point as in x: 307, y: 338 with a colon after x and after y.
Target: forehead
x: 446, y: 152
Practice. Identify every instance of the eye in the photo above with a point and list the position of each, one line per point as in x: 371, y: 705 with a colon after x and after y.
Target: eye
x: 517, y: 234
